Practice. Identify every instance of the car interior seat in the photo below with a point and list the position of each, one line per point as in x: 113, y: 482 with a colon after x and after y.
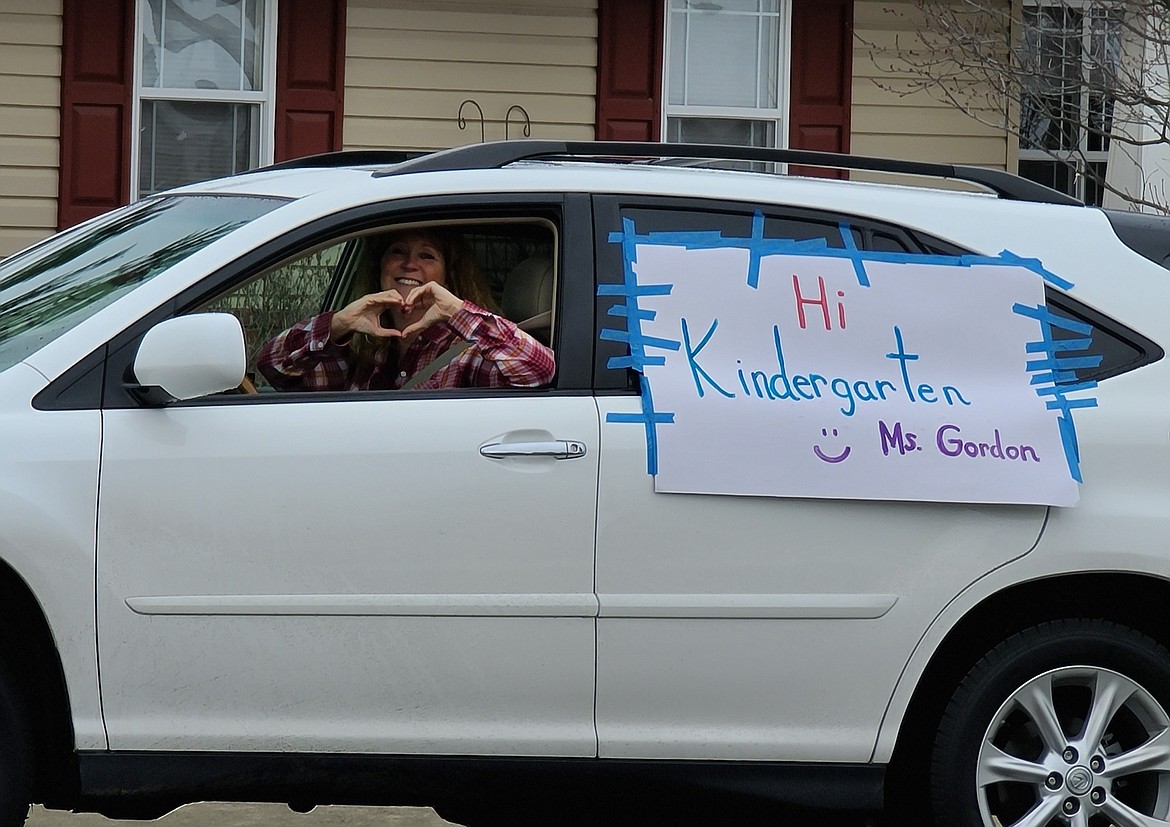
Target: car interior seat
x: 528, y: 296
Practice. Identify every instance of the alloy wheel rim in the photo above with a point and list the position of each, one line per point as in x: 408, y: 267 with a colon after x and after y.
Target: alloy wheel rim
x: 1079, y: 745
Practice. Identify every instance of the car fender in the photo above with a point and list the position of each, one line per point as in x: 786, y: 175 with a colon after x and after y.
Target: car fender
x: 48, y: 505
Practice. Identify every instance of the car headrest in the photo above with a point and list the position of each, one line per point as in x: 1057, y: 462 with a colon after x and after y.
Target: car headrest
x: 528, y: 289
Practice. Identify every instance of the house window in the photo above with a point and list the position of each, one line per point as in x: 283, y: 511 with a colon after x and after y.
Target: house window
x: 726, y: 72
x: 204, y: 91
x: 1071, y: 52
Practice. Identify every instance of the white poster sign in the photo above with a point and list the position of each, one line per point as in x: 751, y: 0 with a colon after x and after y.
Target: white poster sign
x: 815, y: 375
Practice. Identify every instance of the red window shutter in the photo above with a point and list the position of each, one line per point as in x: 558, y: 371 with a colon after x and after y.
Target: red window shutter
x: 97, y: 73
x: 310, y: 77
x: 629, y: 69
x: 822, y: 77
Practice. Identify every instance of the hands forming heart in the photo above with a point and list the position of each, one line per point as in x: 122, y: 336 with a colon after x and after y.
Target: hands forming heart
x: 425, y: 305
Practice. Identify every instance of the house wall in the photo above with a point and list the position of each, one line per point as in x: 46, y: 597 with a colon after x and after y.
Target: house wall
x: 411, y: 63
x: 30, y: 97
x: 892, y: 119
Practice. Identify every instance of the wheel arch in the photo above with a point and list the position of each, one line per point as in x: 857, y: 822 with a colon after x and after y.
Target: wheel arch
x: 1127, y: 598
x: 34, y: 664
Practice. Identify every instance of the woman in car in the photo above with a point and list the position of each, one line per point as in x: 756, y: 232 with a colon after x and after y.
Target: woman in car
x: 429, y: 312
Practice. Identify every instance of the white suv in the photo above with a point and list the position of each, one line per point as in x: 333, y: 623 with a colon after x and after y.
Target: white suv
x: 840, y: 490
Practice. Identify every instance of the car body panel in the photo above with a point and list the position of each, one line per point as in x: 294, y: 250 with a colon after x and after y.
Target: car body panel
x: 794, y: 616
x: 1119, y: 525
x: 327, y: 575
x: 48, y: 497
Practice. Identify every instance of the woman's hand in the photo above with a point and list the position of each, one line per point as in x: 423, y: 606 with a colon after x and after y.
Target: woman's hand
x: 434, y: 301
x: 364, y: 315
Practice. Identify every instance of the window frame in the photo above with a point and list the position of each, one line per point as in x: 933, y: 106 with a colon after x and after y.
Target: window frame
x: 573, y: 303
x: 264, y: 99
x: 1082, y: 184
x: 779, y: 117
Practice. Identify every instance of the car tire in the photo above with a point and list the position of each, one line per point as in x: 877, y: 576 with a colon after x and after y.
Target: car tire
x: 1067, y: 722
x: 15, y: 754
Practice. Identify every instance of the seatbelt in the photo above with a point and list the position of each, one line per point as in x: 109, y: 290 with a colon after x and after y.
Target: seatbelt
x: 441, y: 361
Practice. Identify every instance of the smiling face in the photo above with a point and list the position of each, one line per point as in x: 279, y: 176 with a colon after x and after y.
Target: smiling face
x: 410, y: 260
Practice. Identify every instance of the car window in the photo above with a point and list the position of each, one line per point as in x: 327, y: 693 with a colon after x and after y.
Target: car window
x: 798, y: 225
x: 1119, y: 349
x: 514, y: 259
x: 279, y: 299
x: 53, y: 287
x: 1113, y: 349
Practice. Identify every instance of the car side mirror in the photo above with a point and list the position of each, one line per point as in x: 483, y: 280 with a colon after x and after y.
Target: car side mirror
x: 187, y: 357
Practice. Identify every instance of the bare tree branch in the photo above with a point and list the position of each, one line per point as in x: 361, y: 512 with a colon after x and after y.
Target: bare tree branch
x: 1071, y: 79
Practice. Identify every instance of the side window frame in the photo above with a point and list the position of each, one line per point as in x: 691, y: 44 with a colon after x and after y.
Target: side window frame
x: 574, y: 317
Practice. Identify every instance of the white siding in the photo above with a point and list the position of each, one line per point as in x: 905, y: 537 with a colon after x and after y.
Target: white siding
x: 890, y: 118
x: 30, y: 99
x: 411, y: 63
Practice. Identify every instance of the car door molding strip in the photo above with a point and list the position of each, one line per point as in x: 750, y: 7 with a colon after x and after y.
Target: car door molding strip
x: 427, y: 605
x: 732, y: 606
x: 748, y: 606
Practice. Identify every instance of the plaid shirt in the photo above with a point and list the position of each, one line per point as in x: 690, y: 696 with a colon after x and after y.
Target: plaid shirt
x: 500, y: 355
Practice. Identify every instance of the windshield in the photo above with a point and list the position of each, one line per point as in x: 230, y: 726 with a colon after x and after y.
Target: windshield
x: 56, y: 285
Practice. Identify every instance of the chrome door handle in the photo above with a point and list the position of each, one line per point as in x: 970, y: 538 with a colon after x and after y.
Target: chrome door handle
x: 555, y: 448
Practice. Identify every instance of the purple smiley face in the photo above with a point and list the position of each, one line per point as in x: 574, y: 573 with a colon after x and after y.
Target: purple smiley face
x: 831, y: 458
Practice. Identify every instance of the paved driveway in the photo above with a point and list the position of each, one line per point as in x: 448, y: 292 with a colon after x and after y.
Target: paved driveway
x: 253, y: 815
x: 278, y: 815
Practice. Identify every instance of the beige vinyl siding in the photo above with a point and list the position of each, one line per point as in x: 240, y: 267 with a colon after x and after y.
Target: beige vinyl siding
x: 30, y: 95
x: 411, y: 63
x: 891, y: 119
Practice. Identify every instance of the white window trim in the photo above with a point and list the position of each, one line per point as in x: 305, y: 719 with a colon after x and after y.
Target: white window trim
x: 265, y: 98
x: 1082, y: 151
x: 779, y: 115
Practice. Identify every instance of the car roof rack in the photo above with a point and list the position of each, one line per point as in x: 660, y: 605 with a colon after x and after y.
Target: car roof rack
x: 495, y: 154
x: 344, y: 158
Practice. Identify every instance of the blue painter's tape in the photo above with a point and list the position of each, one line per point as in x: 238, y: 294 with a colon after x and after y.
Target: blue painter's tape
x: 1054, y: 345
x: 1053, y: 376
x: 658, y: 342
x: 1043, y: 314
x: 1064, y: 363
x: 854, y: 253
x: 651, y: 428
x: 1072, y: 455
x: 1073, y: 325
x: 1033, y: 264
x: 634, y: 362
x: 636, y: 290
x: 753, y: 274
x: 638, y: 342
x: 612, y: 335
x: 1060, y: 390
x: 690, y: 239
x: 637, y: 313
x: 1067, y: 405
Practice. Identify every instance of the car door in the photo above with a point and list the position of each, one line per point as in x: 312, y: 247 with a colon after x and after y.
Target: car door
x: 742, y: 627
x: 355, y: 572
